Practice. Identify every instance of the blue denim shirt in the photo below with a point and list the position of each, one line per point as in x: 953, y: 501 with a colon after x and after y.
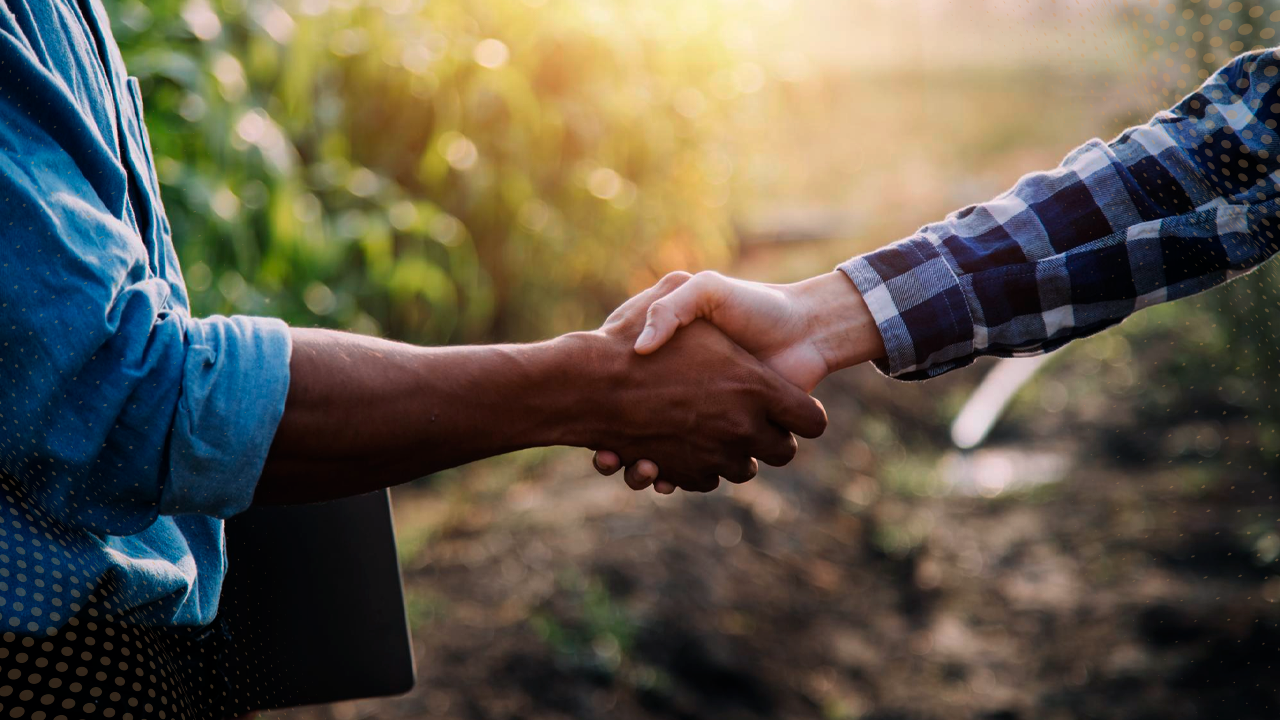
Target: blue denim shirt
x: 128, y: 428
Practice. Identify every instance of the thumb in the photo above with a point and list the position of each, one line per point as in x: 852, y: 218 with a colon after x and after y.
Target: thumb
x: 672, y: 312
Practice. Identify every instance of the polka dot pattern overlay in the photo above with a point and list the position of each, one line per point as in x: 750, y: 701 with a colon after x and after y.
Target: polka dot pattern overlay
x: 100, y: 666
x: 67, y: 650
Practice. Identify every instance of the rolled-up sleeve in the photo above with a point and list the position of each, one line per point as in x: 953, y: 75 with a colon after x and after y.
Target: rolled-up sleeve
x: 234, y: 379
x: 116, y: 405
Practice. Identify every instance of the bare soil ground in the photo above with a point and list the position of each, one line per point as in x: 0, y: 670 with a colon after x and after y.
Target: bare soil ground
x: 1140, y: 586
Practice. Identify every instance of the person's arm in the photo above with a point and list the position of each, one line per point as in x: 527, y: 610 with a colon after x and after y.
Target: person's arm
x: 364, y: 413
x: 1167, y: 209
x: 116, y: 406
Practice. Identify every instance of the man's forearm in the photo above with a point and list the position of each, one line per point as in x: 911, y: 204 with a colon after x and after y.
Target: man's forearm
x: 364, y: 413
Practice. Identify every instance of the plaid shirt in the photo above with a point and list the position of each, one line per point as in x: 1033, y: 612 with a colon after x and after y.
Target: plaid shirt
x: 1166, y: 210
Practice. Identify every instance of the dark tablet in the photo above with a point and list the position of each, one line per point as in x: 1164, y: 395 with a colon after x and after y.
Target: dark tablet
x: 314, y: 604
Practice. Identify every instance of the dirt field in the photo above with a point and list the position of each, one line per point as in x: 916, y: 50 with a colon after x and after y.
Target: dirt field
x: 852, y: 584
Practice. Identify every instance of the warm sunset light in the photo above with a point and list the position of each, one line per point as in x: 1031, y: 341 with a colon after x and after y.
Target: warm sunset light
x: 639, y: 359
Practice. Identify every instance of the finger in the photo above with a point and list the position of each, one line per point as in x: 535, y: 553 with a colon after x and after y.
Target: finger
x: 670, y: 282
x: 794, y: 410
x: 606, y: 462
x: 641, y: 475
x: 775, y: 446
x: 665, y: 487
x: 683, y: 305
x: 742, y: 471
x: 704, y: 484
x: 641, y: 302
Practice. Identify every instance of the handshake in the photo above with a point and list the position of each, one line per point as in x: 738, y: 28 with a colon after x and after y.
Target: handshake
x: 696, y: 379
x: 713, y: 375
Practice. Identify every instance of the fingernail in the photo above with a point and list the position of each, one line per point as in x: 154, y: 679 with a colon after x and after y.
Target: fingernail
x: 644, y: 338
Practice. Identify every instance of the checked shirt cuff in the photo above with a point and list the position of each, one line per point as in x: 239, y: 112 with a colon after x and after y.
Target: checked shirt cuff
x: 919, y: 307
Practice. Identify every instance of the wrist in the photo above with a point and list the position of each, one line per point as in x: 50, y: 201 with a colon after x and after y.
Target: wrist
x: 581, y: 369
x: 840, y: 326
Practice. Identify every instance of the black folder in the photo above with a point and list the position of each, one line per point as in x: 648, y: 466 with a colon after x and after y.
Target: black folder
x: 314, y: 605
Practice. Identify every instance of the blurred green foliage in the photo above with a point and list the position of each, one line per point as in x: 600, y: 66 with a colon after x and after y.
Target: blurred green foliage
x: 467, y: 170
x: 452, y: 170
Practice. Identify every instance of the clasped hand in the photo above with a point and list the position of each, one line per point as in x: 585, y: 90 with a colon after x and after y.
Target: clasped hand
x: 735, y: 378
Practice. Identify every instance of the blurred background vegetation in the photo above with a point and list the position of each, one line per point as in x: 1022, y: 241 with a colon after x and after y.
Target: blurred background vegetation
x: 449, y: 171
x: 435, y: 172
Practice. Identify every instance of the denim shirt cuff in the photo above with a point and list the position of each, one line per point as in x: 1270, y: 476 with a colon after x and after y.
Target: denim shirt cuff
x: 235, y: 379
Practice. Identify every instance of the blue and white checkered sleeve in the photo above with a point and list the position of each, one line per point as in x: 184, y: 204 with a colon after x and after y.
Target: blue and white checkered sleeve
x: 1167, y: 209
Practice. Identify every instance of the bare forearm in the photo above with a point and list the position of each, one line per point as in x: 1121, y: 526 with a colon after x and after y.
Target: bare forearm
x: 364, y: 413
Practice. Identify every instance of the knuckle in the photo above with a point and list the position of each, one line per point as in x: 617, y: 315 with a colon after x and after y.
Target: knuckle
x: 672, y: 279
x: 657, y: 309
x: 706, y: 281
